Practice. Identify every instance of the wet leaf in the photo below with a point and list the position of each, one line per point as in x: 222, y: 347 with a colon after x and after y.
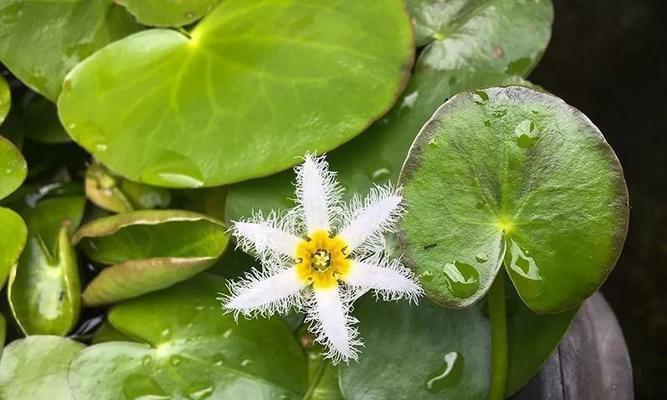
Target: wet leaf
x: 36, y: 368
x: 40, y: 120
x: 69, y: 31
x: 13, y: 168
x: 168, y: 12
x: 5, y: 98
x: 517, y: 177
x: 257, y: 88
x: 44, y: 288
x: 117, y: 194
x: 187, y: 348
x: 148, y: 250
x: 495, y: 35
x: 428, y: 351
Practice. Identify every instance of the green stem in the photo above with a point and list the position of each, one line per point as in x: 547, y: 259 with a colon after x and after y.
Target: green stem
x: 316, y: 380
x: 498, y: 317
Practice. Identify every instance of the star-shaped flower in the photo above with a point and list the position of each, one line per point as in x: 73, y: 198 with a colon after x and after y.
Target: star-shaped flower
x: 321, y: 256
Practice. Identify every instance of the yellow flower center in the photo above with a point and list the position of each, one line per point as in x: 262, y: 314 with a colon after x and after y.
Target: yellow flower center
x: 322, y: 259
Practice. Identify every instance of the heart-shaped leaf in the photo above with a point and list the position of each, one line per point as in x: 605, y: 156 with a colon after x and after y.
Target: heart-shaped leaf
x: 466, y: 34
x: 429, y: 352
x: 117, y: 194
x: 5, y: 98
x: 149, y: 250
x: 44, y: 290
x: 36, y: 368
x: 379, y: 152
x: 13, y: 233
x: 40, y: 120
x: 255, y: 86
x: 189, y: 350
x: 513, y: 176
x: 69, y: 31
x: 168, y: 12
x: 13, y: 168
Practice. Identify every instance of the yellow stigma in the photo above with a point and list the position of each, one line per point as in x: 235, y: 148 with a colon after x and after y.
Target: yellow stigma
x: 322, y: 259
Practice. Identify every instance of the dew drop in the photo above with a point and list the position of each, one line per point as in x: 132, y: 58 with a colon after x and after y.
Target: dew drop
x: 446, y: 376
x: 409, y: 100
x: 227, y: 333
x: 480, y: 97
x: 146, y: 360
x: 433, y: 143
x: 175, y: 360
x: 425, y: 276
x: 462, y: 279
x: 381, y: 175
x: 482, y: 258
x: 143, y: 387
x: 169, y: 168
x: 524, y: 271
x: 166, y: 332
x: 246, y: 363
x: 525, y: 134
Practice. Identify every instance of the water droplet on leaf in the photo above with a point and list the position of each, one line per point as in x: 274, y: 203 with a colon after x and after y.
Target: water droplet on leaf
x: 143, y: 387
x: 462, y: 279
x: 171, y: 169
x: 447, y: 375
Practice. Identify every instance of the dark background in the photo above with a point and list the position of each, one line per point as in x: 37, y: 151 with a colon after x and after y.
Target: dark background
x: 608, y: 58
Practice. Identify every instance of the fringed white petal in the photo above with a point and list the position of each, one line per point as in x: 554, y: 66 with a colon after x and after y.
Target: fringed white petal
x: 330, y: 321
x: 318, y: 193
x: 366, y: 221
x: 388, y: 278
x: 268, y: 236
x: 264, y: 293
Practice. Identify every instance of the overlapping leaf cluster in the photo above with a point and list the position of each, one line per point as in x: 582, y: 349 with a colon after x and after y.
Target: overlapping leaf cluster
x: 111, y: 113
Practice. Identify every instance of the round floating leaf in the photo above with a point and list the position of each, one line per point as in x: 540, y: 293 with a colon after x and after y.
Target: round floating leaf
x: 168, y: 12
x: 190, y: 350
x: 13, y: 233
x: 447, y: 351
x: 44, y: 288
x: 495, y: 35
x: 5, y: 98
x: 36, y: 368
x: 119, y: 195
x: 40, y: 120
x: 150, y: 250
x: 255, y: 86
x: 69, y: 31
x: 513, y: 176
x: 13, y: 168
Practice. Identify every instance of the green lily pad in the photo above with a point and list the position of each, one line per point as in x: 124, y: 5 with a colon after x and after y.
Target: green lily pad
x: 13, y: 168
x: 107, y: 333
x: 40, y: 120
x: 244, y: 96
x: 5, y: 98
x: 44, y: 289
x: 69, y: 31
x: 168, y: 12
x: 36, y: 368
x: 513, y: 176
x: 188, y: 349
x: 465, y: 34
x: 148, y: 250
x: 13, y: 233
x: 447, y: 351
x: 116, y: 194
x: 379, y: 152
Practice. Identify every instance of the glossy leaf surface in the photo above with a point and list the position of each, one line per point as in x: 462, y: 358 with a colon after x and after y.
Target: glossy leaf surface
x: 69, y: 32
x: 517, y: 177
x: 44, y: 288
x: 168, y: 12
x: 429, y: 352
x: 13, y: 168
x: 5, y: 98
x: 149, y: 250
x: 494, y: 35
x: 191, y: 351
x: 36, y: 368
x: 13, y: 233
x: 255, y: 86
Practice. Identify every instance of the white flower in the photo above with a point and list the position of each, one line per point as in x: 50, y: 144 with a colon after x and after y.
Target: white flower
x: 321, y: 256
